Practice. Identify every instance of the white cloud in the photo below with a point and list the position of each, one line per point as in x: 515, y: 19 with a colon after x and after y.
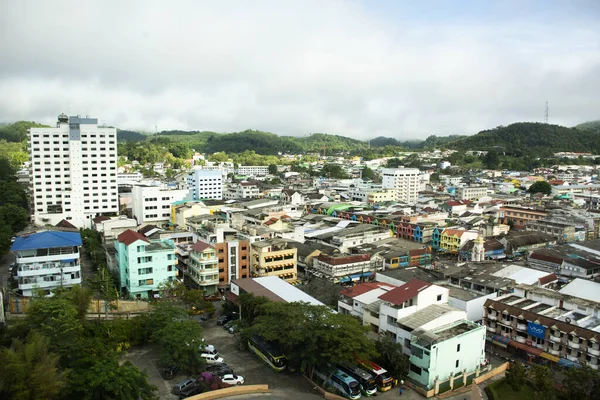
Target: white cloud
x: 289, y: 68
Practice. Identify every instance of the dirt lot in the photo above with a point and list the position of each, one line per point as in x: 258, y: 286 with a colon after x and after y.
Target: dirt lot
x: 284, y: 385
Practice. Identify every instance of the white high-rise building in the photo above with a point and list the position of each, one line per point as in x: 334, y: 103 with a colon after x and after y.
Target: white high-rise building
x: 205, y: 184
x: 404, y: 181
x: 153, y: 203
x: 73, y: 171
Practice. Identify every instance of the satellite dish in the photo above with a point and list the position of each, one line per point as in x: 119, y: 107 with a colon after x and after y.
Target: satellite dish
x: 568, y: 320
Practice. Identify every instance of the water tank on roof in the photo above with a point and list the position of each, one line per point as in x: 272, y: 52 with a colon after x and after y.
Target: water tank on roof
x: 63, y: 118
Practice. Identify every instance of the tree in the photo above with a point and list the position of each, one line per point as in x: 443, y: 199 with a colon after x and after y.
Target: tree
x: 29, y: 370
x: 195, y: 299
x: 391, y: 355
x: 250, y: 307
x: 540, y: 187
x: 313, y: 335
x: 491, y: 160
x: 334, y: 171
x: 515, y: 376
x: 218, y: 157
x: 368, y: 173
x: 179, y: 343
x: 579, y: 382
x: 273, y: 169
x: 394, y: 163
x: 543, y: 382
x: 106, y: 379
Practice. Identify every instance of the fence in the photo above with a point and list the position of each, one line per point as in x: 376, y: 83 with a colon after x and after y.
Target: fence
x: 18, y: 305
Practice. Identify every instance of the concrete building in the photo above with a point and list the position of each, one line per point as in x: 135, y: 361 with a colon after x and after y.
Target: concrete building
x: 47, y: 260
x: 252, y: 170
x: 202, y: 267
x: 451, y: 352
x: 274, y: 258
x: 151, y: 204
x: 110, y: 228
x: 539, y: 323
x: 272, y: 288
x: 345, y: 268
x: 563, y: 232
x: 205, y: 184
x: 404, y: 181
x: 142, y: 265
x: 520, y: 216
x: 74, y: 171
x: 242, y: 190
x: 470, y: 192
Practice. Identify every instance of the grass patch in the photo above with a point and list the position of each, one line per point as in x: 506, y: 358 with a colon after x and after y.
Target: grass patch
x: 500, y: 390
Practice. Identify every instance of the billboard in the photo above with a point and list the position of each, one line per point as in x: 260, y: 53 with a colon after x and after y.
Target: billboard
x: 536, y: 330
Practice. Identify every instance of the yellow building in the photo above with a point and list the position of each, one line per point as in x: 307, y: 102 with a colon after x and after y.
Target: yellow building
x: 274, y: 258
x: 381, y: 196
x: 453, y: 239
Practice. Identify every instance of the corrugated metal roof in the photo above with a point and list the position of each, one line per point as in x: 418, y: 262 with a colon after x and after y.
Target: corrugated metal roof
x: 46, y: 240
x: 285, y: 291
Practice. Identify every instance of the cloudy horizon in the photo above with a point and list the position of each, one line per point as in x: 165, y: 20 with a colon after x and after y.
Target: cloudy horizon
x: 360, y: 69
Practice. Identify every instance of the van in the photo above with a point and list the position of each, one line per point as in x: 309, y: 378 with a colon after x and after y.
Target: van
x: 189, y: 382
x: 211, y: 358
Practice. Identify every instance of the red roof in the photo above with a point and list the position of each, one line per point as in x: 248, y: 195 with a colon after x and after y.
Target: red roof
x: 331, y: 260
x: 544, y: 280
x: 543, y: 257
x: 271, y: 221
x: 130, y: 236
x: 99, y: 219
x: 405, y: 292
x: 200, y: 246
x: 361, y: 288
x: 65, y: 224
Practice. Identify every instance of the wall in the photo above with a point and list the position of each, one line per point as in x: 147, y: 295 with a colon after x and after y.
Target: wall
x: 474, y: 308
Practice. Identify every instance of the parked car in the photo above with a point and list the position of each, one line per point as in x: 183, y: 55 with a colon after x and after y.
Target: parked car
x: 213, y: 297
x: 225, y: 318
x: 169, y: 372
x: 211, y: 358
x: 223, y: 371
x: 234, y: 327
x: 216, y: 366
x: 209, y: 349
x: 183, y: 385
x: 190, y: 391
x: 233, y: 379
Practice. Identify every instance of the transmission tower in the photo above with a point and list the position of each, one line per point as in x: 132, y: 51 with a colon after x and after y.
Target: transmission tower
x: 546, y: 114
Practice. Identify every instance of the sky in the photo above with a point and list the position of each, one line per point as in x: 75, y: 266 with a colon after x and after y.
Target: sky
x: 402, y: 69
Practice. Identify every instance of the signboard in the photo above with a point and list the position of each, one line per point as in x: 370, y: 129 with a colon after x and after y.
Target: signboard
x: 536, y: 330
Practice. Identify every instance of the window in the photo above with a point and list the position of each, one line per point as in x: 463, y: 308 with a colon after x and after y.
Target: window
x: 439, y: 297
x: 457, y: 362
x: 458, y: 347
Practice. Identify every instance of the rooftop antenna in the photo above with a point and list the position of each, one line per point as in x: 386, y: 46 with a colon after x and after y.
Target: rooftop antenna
x: 546, y: 113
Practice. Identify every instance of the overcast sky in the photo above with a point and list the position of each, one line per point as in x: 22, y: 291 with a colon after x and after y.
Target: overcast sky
x: 356, y: 68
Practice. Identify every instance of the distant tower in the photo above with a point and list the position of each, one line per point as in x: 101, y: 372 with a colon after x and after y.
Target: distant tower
x: 478, y: 253
x: 546, y: 114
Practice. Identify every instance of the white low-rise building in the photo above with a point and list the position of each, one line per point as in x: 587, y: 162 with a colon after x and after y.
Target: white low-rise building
x: 153, y: 203
x: 47, y: 260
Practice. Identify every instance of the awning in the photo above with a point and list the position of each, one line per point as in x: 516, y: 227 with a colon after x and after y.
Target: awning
x: 568, y: 363
x: 531, y: 350
x: 550, y: 357
x: 500, y: 340
x: 68, y: 260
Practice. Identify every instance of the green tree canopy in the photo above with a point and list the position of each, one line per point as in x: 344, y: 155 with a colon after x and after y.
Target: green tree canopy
x: 515, y: 376
x: 179, y: 343
x: 540, y: 187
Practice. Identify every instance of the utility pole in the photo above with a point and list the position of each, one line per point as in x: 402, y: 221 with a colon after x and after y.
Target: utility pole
x: 546, y: 113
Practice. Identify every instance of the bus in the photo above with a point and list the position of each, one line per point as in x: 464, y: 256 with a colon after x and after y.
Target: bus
x: 342, y: 382
x: 384, y: 382
x: 366, y: 379
x: 269, y: 352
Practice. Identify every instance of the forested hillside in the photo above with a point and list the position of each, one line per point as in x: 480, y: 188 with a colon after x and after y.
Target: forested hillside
x: 593, y: 126
x: 533, y: 138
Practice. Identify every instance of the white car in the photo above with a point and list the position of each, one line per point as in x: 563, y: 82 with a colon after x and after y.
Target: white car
x: 208, y: 349
x: 233, y: 379
x: 211, y: 358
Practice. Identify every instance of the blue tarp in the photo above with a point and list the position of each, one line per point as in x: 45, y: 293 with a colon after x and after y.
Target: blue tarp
x: 500, y: 339
x: 67, y: 260
x: 46, y: 240
x: 568, y: 363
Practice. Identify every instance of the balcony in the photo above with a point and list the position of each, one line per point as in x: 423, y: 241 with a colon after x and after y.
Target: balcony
x: 574, y: 345
x: 520, y: 339
x: 594, y: 352
x: 572, y: 358
x: 555, y: 339
x: 25, y: 284
x: 521, y: 327
x: 553, y: 352
x: 208, y: 282
x: 593, y: 366
x: 492, y: 317
x: 490, y: 329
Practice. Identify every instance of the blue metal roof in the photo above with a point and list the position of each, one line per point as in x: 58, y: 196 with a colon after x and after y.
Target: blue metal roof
x: 46, y: 240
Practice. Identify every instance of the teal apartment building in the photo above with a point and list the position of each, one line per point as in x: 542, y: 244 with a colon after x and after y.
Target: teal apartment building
x: 142, y: 265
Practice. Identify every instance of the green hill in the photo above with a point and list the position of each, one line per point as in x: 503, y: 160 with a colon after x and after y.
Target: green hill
x: 531, y: 138
x: 593, y: 126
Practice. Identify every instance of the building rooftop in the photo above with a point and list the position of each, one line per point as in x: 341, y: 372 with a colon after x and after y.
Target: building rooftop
x: 46, y: 240
x: 426, y: 315
x: 584, y: 289
x: 406, y: 274
x: 426, y: 339
x: 129, y: 236
x: 275, y: 289
x: 405, y: 292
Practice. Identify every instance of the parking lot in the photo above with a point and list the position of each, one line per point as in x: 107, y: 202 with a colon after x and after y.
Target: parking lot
x: 284, y: 385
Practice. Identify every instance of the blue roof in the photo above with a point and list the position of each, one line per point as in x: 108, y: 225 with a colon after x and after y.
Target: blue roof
x: 46, y: 240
